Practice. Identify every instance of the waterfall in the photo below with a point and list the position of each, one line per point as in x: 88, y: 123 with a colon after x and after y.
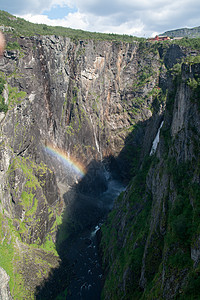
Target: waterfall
x: 94, y: 131
x: 156, y: 140
x: 95, y: 137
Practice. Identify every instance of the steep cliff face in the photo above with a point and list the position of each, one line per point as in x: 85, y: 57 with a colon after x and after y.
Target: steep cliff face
x: 84, y: 101
x: 151, y: 239
x: 85, y: 93
x: 73, y: 99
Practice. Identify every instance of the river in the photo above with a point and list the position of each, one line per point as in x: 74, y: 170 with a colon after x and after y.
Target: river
x: 86, y: 278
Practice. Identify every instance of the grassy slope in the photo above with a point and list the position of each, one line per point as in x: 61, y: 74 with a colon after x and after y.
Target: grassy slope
x: 26, y: 28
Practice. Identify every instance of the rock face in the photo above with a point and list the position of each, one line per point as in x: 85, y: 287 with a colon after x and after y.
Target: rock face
x: 151, y: 239
x: 82, y: 97
x: 184, y: 32
x: 4, y: 287
x: 68, y: 100
x: 68, y: 106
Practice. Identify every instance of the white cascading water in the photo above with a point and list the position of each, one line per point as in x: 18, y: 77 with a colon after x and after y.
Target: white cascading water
x: 95, y: 138
x: 156, y: 140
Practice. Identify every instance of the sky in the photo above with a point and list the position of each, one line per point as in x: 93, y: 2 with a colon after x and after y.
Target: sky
x: 142, y: 18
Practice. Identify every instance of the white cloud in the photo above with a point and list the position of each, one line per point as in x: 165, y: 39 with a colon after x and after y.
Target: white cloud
x: 136, y: 17
x: 90, y: 23
x: 73, y: 20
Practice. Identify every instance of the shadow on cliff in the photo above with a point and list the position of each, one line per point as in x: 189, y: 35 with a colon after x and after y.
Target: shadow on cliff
x: 83, y: 213
x: 84, y: 210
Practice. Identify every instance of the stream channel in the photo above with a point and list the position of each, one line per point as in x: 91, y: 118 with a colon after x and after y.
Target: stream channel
x: 86, y: 279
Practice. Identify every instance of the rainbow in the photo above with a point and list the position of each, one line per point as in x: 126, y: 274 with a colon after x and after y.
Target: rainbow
x: 68, y: 160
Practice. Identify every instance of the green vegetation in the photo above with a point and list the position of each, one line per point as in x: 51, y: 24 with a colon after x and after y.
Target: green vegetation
x: 2, y: 83
x: 159, y: 98
x: 191, y: 60
x: 141, y: 234
x: 194, y: 84
x: 10, y: 256
x: 13, y: 46
x: 34, y: 180
x: 193, y: 43
x: 62, y: 295
x: 15, y: 235
x: 14, y: 97
x: 145, y: 75
x: 176, y: 74
x: 190, y: 43
x: 22, y: 27
x: 183, y: 215
x: 3, y: 106
x: 182, y: 227
x: 192, y: 289
x: 129, y: 258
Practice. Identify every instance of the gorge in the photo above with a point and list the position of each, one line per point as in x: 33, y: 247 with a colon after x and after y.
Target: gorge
x: 78, y: 125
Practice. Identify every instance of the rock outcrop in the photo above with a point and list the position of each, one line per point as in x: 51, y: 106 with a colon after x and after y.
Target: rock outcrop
x: 4, y: 287
x: 184, y: 32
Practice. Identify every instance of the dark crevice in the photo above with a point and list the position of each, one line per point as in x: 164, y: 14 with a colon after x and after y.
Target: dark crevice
x: 88, y: 207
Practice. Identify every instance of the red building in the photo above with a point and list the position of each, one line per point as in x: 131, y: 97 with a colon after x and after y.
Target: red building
x: 160, y: 38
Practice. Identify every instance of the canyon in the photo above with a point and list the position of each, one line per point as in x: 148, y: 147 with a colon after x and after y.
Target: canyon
x: 77, y: 116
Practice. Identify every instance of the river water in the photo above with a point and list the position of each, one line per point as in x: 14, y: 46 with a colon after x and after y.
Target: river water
x: 86, y: 278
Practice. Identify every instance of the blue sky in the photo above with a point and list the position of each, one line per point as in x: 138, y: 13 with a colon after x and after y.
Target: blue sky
x: 59, y: 12
x: 133, y: 17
